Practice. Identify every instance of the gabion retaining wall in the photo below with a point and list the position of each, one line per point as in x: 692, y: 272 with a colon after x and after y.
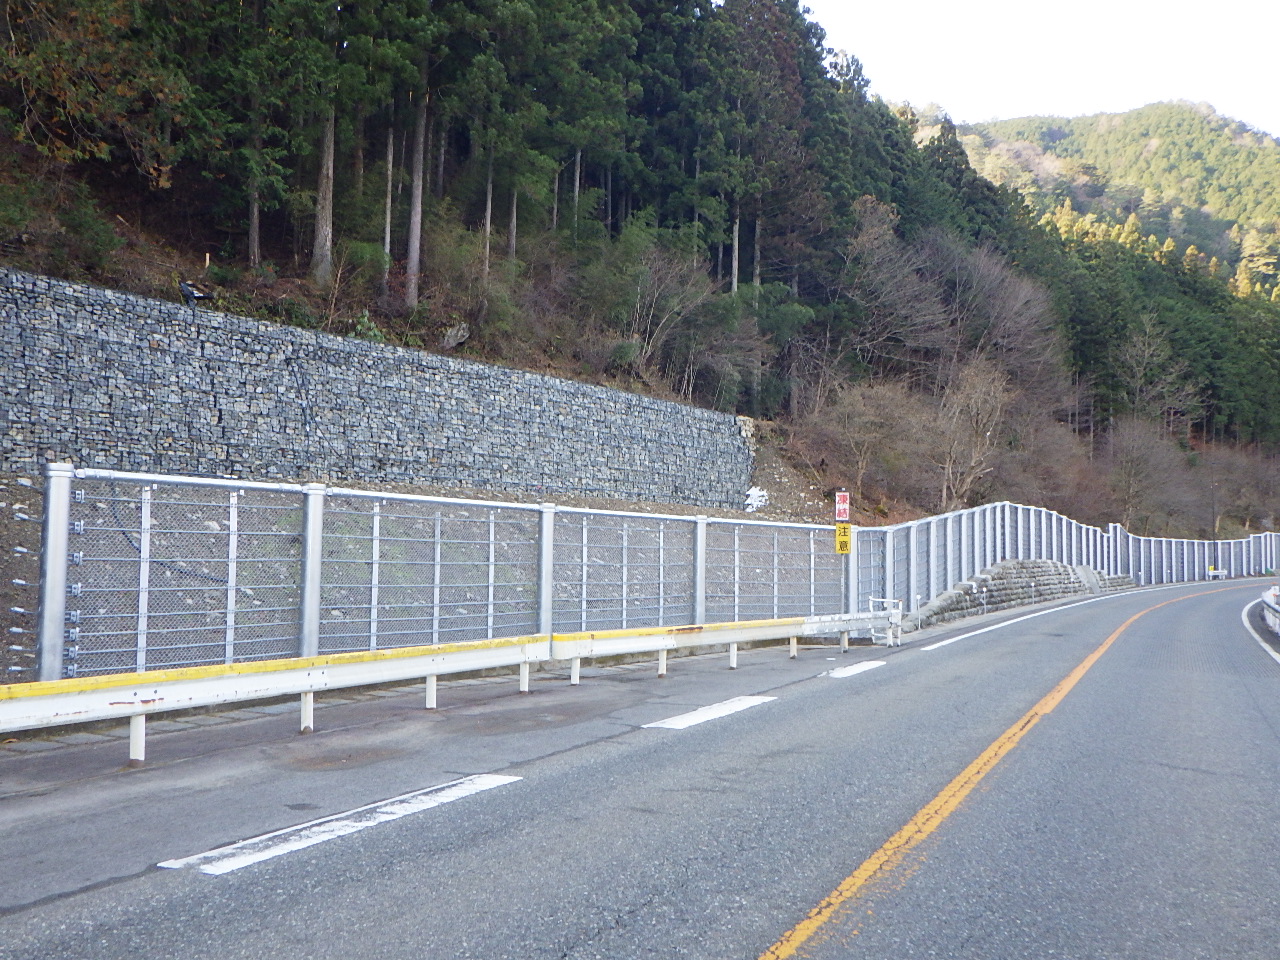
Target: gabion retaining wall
x: 109, y: 380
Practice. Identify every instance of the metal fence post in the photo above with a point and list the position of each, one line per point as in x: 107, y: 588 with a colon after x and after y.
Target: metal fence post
x: 913, y: 572
x: 233, y: 534
x: 936, y: 545
x: 53, y: 569
x: 312, y: 551
x: 144, y: 576
x: 851, y: 573
x: 889, y: 564
x: 546, y: 568
x: 699, y: 570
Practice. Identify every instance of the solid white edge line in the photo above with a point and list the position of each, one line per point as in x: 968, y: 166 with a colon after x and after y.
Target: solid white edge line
x: 1065, y: 606
x: 256, y: 849
x: 713, y: 712
x: 1009, y: 623
x: 1244, y: 618
x: 839, y: 673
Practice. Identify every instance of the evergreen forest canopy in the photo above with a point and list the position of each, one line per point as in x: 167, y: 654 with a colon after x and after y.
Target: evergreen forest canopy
x: 692, y: 196
x: 1185, y: 173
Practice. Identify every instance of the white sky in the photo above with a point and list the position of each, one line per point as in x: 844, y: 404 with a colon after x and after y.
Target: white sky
x: 1000, y: 59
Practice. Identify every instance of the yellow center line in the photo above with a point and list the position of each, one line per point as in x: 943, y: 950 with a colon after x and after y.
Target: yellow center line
x: 932, y: 815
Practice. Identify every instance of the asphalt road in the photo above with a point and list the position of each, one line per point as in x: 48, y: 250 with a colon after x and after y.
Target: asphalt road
x: 1132, y: 815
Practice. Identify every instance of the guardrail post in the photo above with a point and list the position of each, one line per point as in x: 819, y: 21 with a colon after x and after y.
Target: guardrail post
x: 53, y: 569
x: 699, y: 570
x: 546, y: 568
x: 137, y: 739
x: 312, y: 551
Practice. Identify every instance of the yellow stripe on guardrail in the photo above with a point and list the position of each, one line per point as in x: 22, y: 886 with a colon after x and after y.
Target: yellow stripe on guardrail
x: 674, y: 631
x: 14, y: 691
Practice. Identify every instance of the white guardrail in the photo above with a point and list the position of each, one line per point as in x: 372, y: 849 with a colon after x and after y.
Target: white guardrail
x: 1271, y: 609
x: 54, y: 703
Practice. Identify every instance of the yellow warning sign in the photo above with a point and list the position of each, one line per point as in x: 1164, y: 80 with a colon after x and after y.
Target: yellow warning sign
x: 844, y: 537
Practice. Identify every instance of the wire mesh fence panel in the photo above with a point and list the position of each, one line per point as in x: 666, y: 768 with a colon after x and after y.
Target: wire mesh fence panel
x: 404, y: 572
x: 174, y: 575
x: 921, y: 589
x: 901, y: 586
x: 743, y: 575
x: 941, y: 527
x: 827, y: 595
x: 955, y: 550
x: 968, y: 543
x: 450, y: 573
x: 615, y: 572
x: 871, y: 567
x: 723, y: 599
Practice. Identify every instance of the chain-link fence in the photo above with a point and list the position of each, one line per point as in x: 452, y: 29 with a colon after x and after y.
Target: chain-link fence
x: 146, y: 572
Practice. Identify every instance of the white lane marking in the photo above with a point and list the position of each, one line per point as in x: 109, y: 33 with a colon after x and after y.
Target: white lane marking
x: 1009, y: 623
x: 1065, y: 606
x: 855, y: 668
x: 713, y: 712
x: 256, y: 849
x: 1244, y: 616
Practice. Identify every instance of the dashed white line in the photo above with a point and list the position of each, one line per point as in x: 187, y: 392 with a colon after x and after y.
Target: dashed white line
x: 256, y: 849
x: 713, y: 712
x: 853, y: 669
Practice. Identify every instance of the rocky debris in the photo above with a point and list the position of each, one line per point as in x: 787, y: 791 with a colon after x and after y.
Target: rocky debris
x: 1013, y: 583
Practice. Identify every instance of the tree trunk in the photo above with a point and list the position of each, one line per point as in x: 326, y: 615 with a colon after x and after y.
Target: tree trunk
x: 608, y: 200
x: 357, y: 153
x: 255, y: 226
x: 255, y: 198
x: 737, y: 232
x: 511, y: 226
x: 413, y: 261
x: 385, y: 285
x: 577, y: 189
x: 321, y: 272
x: 555, y: 201
x: 488, y: 215
x: 755, y: 262
x: 444, y: 130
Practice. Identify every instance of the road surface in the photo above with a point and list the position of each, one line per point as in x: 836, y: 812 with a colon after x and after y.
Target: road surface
x: 1099, y: 780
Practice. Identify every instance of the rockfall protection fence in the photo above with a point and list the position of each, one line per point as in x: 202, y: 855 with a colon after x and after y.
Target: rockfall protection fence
x: 145, y: 572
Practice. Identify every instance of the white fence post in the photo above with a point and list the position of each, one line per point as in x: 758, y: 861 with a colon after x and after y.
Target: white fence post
x: 913, y: 573
x: 851, y: 575
x: 546, y: 568
x: 53, y: 569
x: 700, y: 570
x: 889, y: 563
x: 312, y: 552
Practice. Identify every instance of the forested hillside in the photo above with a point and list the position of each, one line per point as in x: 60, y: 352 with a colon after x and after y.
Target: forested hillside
x: 1184, y: 172
x: 690, y: 198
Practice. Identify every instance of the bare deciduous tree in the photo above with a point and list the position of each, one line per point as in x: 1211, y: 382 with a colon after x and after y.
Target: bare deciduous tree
x: 967, y: 431
x: 1157, y: 382
x: 669, y: 287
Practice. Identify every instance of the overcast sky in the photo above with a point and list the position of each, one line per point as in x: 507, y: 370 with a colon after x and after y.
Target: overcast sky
x: 999, y: 59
